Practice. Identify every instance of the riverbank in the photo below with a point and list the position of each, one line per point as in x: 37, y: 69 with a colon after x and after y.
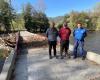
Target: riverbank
x: 6, y: 46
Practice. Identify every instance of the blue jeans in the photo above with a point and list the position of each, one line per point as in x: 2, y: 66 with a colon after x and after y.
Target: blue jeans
x: 79, y: 44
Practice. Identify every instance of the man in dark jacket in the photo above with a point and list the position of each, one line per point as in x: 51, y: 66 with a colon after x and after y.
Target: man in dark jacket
x: 64, y: 34
x: 52, y: 34
x: 79, y: 34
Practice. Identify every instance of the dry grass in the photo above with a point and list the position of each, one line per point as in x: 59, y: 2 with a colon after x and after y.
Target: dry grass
x: 4, y: 53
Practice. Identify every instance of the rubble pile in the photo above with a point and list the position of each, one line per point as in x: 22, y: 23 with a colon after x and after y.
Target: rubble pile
x: 30, y: 37
x: 7, y: 42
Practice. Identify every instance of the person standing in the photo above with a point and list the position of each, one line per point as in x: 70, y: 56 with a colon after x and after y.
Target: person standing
x: 52, y: 34
x: 79, y: 35
x: 64, y: 34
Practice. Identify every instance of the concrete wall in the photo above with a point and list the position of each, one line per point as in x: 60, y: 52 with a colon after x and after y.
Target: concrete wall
x: 93, y: 57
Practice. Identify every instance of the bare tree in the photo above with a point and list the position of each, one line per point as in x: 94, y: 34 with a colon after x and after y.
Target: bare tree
x: 96, y: 9
x: 41, y: 6
x: 9, y: 1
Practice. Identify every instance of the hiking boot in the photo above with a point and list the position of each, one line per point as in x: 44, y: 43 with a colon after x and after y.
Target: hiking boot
x: 83, y: 58
x: 50, y: 57
x: 74, y: 57
x: 56, y: 57
x: 62, y: 57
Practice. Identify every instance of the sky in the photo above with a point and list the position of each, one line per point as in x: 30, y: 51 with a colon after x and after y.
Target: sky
x: 58, y: 7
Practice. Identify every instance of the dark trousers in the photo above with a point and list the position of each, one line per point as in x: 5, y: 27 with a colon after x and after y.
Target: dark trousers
x: 64, y: 46
x: 52, y: 44
x: 79, y: 44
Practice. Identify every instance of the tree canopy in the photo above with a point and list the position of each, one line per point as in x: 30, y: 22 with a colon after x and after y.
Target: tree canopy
x: 6, y: 15
x: 34, y: 20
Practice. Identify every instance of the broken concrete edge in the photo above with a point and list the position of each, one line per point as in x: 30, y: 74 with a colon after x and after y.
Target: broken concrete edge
x: 9, y: 62
x: 92, y: 56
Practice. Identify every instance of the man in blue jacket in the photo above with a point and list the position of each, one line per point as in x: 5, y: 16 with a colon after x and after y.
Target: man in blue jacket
x: 52, y: 34
x: 79, y: 35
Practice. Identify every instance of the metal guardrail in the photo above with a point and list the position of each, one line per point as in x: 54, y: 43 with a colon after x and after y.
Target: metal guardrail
x: 9, y: 62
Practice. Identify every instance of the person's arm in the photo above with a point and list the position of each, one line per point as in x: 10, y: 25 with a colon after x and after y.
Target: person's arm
x: 85, y: 33
x: 47, y: 32
x: 69, y: 31
x: 59, y: 33
x: 74, y: 33
x: 56, y: 32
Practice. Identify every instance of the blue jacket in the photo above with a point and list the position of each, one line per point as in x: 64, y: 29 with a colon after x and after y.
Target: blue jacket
x: 80, y: 34
x: 52, y: 34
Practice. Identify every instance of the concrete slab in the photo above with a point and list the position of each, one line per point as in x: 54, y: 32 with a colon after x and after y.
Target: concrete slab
x: 36, y: 65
